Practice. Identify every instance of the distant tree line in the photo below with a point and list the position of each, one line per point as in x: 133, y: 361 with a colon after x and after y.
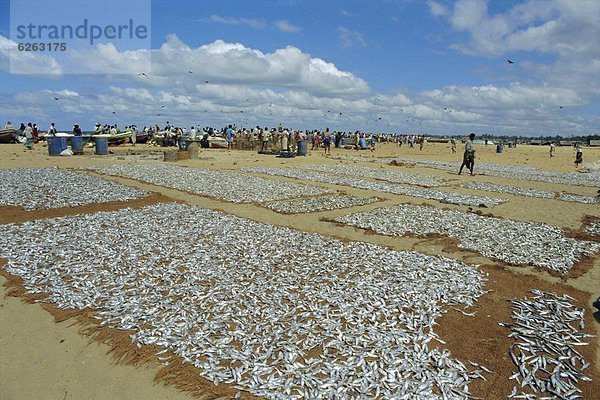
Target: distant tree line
x: 542, y: 138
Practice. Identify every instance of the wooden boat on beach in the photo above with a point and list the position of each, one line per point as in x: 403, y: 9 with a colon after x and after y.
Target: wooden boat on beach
x: 217, y: 142
x: 6, y: 135
x: 141, y: 137
x: 115, y: 140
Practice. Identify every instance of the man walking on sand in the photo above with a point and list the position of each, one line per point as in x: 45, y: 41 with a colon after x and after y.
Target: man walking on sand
x: 578, y: 154
x: 469, y: 155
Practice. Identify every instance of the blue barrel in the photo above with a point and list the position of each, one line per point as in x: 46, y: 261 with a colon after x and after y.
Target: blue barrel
x: 499, y: 148
x: 182, y: 143
x: 77, y: 144
x: 362, y: 143
x: 101, y: 146
x: 55, y: 145
x: 302, y: 147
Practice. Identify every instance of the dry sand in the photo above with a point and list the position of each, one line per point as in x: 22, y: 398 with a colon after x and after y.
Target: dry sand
x: 43, y: 359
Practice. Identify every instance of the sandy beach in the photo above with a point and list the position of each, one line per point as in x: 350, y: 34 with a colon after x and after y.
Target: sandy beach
x: 45, y: 359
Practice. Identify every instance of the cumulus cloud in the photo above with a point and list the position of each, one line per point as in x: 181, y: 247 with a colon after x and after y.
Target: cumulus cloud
x: 349, y: 38
x: 221, y: 82
x: 490, y: 97
x: 220, y: 62
x: 234, y: 63
x: 285, y: 26
x: 519, y: 109
x: 26, y: 62
x: 560, y: 27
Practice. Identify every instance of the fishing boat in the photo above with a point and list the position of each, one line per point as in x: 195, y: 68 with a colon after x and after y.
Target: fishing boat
x: 217, y: 142
x: 6, y: 135
x: 116, y: 140
x: 141, y: 137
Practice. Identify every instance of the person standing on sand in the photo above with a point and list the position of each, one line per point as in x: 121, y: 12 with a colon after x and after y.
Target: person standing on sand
x: 251, y: 138
x: 265, y: 139
x: 327, y: 142
x: 453, y: 142
x: 18, y: 136
x: 338, y: 139
x: 469, y: 155
x: 133, y: 136
x: 317, y: 138
x: 28, y: 132
x: 285, y: 136
x: 578, y: 155
x: 35, y: 133
x: 229, y: 137
x: 552, y: 148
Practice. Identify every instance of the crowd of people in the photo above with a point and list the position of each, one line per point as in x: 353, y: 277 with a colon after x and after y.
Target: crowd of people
x: 281, y: 138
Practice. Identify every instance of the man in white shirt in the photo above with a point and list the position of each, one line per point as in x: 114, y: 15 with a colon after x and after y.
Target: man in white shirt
x: 52, y: 130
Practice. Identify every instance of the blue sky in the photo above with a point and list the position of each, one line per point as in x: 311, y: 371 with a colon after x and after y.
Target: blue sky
x: 437, y: 67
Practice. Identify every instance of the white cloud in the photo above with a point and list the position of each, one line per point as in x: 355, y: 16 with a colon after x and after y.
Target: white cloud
x: 234, y: 63
x: 437, y: 9
x: 285, y: 26
x: 564, y: 30
x: 249, y: 87
x: 254, y: 23
x: 396, y: 100
x: 350, y: 38
x: 26, y: 62
x: 560, y: 27
x: 490, y: 97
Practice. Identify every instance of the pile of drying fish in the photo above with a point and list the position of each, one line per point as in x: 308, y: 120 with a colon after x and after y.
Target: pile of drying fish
x: 230, y: 186
x: 520, y: 191
x: 594, y: 228
x: 256, y: 313
x: 491, y: 187
x: 504, y: 171
x: 576, y: 198
x: 35, y: 188
x: 424, y: 193
x: 315, y: 204
x: 546, y: 329
x: 389, y: 175
x: 514, y: 242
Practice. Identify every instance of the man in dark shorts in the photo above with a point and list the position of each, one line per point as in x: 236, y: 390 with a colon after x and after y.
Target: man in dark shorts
x: 327, y: 141
x: 469, y: 155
